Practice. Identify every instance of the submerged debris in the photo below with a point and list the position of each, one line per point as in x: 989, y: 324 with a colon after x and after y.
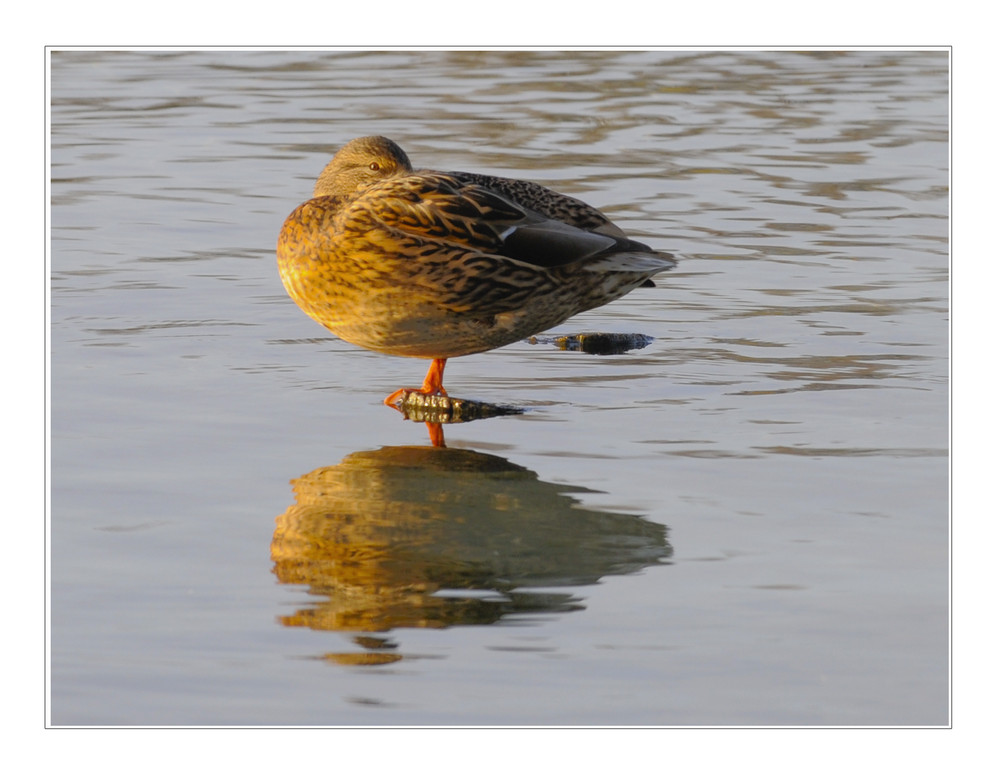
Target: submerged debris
x: 597, y: 342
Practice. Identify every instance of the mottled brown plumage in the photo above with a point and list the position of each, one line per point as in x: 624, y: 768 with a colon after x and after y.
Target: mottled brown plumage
x: 436, y: 265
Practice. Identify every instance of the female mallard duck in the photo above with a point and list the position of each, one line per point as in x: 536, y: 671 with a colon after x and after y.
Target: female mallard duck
x: 436, y: 265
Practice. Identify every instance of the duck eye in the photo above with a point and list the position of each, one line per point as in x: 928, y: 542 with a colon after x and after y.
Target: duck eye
x: 375, y: 167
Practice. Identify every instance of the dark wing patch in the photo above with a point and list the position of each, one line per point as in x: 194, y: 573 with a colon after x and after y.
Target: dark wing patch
x: 548, y: 243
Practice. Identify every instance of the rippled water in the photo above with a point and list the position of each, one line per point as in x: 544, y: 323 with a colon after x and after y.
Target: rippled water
x: 744, y: 523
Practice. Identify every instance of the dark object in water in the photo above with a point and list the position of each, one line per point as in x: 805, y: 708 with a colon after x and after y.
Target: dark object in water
x: 603, y: 343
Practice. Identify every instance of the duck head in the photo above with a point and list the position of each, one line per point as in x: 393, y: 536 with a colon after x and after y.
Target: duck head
x: 359, y: 163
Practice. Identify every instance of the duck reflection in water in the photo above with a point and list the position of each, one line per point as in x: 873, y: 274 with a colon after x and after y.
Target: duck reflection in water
x: 431, y: 537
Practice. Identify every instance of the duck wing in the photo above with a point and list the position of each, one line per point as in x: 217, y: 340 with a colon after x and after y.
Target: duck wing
x: 519, y: 220
x: 549, y: 203
x: 557, y: 239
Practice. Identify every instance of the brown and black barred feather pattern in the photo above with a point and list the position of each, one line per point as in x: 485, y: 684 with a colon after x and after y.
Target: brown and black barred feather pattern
x: 437, y: 265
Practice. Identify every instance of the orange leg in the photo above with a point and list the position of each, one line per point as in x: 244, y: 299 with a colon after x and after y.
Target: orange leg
x: 433, y: 380
x: 436, y: 433
x: 432, y: 384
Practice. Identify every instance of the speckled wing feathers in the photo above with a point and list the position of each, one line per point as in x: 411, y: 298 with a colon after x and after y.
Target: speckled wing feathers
x: 461, y: 209
x: 553, y: 205
x: 433, y: 206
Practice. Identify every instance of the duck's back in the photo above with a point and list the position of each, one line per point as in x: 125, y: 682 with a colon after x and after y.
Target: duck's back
x: 549, y: 203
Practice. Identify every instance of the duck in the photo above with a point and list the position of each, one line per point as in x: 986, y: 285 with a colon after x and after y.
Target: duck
x: 438, y: 265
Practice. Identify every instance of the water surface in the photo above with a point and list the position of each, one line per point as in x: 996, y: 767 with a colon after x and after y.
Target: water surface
x: 744, y: 523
